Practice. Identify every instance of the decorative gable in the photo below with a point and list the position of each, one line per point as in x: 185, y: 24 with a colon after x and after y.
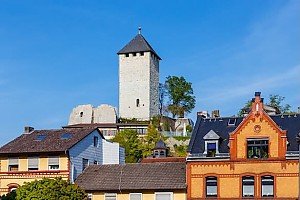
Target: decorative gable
x: 257, y: 136
x: 211, y: 135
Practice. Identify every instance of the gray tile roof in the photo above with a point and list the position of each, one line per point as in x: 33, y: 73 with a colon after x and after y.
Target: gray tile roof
x: 138, y: 44
x: 40, y: 141
x: 290, y: 123
x: 146, y: 176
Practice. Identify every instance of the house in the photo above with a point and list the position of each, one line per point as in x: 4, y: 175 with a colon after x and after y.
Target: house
x: 52, y: 153
x: 150, y: 181
x: 253, y: 157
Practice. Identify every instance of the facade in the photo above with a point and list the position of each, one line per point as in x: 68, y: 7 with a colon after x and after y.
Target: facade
x: 54, y: 153
x: 138, y: 80
x: 150, y: 181
x: 254, y: 157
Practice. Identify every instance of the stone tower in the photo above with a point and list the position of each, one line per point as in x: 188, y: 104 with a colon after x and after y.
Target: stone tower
x: 138, y: 80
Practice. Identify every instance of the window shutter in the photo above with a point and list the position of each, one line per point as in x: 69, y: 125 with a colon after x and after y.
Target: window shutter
x: 53, y: 160
x: 33, y: 162
x: 163, y: 196
x: 13, y: 161
x: 135, y: 196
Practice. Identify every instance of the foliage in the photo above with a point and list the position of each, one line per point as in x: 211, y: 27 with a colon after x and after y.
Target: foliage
x: 275, y: 101
x: 130, y: 140
x: 181, y: 138
x: 50, y: 189
x: 10, y: 196
x: 150, y: 140
x: 180, y: 150
x: 189, y: 128
x: 155, y: 121
x: 180, y: 94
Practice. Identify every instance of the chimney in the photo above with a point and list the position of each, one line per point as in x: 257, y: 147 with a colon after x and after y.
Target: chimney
x: 215, y: 113
x: 204, y: 114
x: 28, y: 129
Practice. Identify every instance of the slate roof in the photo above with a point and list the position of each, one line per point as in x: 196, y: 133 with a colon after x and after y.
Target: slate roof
x: 138, y: 44
x: 291, y: 123
x: 148, y: 176
x: 160, y: 145
x: 42, y: 141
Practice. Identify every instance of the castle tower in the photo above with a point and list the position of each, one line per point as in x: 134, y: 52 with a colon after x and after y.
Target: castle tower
x: 138, y: 80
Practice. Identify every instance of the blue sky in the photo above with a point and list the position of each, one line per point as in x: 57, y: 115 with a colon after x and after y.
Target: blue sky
x: 55, y: 55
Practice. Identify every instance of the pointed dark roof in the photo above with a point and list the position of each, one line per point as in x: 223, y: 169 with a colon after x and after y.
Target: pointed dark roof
x: 138, y: 44
x: 160, y: 145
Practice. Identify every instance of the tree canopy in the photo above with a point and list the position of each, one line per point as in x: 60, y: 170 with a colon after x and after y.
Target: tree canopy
x: 130, y: 140
x: 50, y: 189
x: 180, y: 94
x: 275, y: 101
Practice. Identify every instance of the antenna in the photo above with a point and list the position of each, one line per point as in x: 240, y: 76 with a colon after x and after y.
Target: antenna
x: 140, y: 30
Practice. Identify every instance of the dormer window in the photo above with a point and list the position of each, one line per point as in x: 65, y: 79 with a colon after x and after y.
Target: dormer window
x: 231, y: 122
x: 211, y: 142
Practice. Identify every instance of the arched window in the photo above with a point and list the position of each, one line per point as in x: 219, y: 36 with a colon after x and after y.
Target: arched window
x: 81, y: 114
x: 267, y: 186
x: 137, y: 102
x: 211, y: 186
x: 248, y: 186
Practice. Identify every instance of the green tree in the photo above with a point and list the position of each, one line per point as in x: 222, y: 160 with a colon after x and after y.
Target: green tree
x: 180, y: 94
x: 130, y: 140
x: 150, y: 140
x: 50, y: 189
x: 275, y: 101
x: 9, y: 196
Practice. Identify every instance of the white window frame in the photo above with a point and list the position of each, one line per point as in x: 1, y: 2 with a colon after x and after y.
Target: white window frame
x: 110, y: 194
x: 136, y: 193
x: 211, y: 142
x: 171, y: 194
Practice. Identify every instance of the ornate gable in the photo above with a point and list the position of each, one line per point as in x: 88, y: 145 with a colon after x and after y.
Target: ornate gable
x: 257, y: 136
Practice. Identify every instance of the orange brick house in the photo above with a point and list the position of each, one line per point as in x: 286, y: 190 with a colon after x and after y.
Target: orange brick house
x: 253, y: 157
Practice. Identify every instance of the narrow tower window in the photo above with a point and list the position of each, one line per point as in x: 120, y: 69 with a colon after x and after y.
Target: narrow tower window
x: 137, y: 102
x: 81, y: 114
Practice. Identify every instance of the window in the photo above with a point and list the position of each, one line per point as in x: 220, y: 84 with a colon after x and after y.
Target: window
x: 13, y: 164
x: 211, y: 187
x: 142, y: 53
x: 66, y: 136
x: 85, y: 163
x: 231, y: 122
x: 89, y: 196
x: 137, y: 102
x: 133, y: 54
x: 211, y: 149
x: 53, y: 163
x: 33, y: 163
x: 162, y: 153
x: 163, y: 196
x: 248, y: 186
x: 257, y: 148
x: 95, y: 162
x: 267, y: 186
x: 110, y: 196
x: 135, y: 196
x: 96, y: 139
x: 81, y: 114
x: 127, y: 55
x: 40, y: 137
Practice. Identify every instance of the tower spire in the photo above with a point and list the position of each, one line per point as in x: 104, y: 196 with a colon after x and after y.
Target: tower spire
x: 140, y: 30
